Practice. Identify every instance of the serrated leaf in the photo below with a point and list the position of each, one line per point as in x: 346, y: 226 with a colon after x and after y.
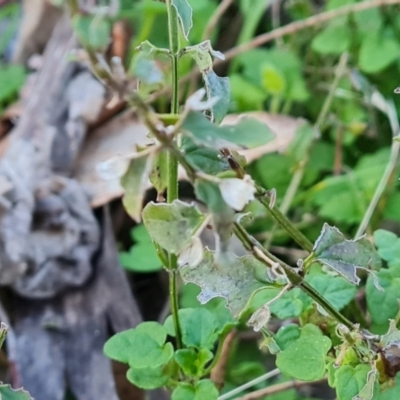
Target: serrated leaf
x: 198, y: 325
x: 220, y: 88
x: 204, y: 389
x: 147, y: 378
x: 8, y: 393
x: 345, y: 256
x: 193, y: 361
x: 92, y: 31
x: 3, y: 333
x: 235, y: 281
x: 309, y: 351
x: 247, y: 133
x: 134, y: 182
x: 141, y: 347
x: 185, y: 14
x: 172, y: 225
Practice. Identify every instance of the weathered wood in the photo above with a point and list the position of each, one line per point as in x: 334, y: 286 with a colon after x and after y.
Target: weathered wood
x: 69, y: 291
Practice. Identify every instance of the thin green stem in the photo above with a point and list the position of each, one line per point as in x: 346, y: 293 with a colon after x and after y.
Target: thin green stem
x: 380, y: 189
x: 173, y: 290
x: 299, y: 173
x: 172, y: 164
x: 286, y: 224
x: 294, y: 278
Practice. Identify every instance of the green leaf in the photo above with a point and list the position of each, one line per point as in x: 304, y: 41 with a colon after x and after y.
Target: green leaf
x: 134, y: 182
x: 272, y: 80
x: 335, y: 39
x: 147, y: 378
x: 222, y: 215
x: 204, y: 389
x: 335, y: 289
x: 159, y: 174
x: 146, y: 69
x: 391, y: 393
x: 92, y: 31
x: 248, y: 132
x: 286, y: 335
x: 8, y: 393
x: 12, y: 78
x: 172, y: 225
x: 198, y: 325
x: 291, y: 304
x: 185, y: 14
x: 345, y: 256
x: 388, y: 246
x: 204, y: 158
x: 141, y: 347
x: 246, y: 95
x: 350, y: 380
x: 304, y: 358
x: 300, y: 146
x: 193, y: 361
x: 218, y: 87
x: 383, y: 305
x: 142, y: 256
x: 377, y: 52
x: 235, y: 281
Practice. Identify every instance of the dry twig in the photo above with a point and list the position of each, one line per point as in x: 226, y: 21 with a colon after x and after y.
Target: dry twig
x: 280, y: 387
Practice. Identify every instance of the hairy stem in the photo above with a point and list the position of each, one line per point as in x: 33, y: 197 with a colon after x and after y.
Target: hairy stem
x: 172, y: 164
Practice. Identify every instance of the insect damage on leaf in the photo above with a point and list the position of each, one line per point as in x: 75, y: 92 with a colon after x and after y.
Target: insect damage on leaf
x: 345, y: 256
x: 235, y: 280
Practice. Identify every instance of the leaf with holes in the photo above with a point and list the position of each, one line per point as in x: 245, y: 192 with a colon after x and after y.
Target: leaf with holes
x: 135, y: 181
x: 235, y: 281
x: 345, y: 256
x: 172, y: 225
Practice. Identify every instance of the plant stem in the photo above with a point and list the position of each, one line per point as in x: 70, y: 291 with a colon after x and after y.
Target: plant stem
x: 286, y: 224
x: 250, y: 384
x: 299, y: 173
x: 394, y: 154
x: 279, y: 387
x: 294, y: 278
x: 172, y: 164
